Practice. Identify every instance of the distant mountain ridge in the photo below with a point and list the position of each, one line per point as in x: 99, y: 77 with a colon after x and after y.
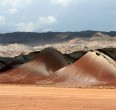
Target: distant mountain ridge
x: 34, y: 38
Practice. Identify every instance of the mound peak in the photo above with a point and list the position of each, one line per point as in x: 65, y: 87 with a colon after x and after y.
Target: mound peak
x: 49, y: 60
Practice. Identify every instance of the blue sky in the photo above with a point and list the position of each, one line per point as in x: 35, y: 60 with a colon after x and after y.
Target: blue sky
x: 57, y: 15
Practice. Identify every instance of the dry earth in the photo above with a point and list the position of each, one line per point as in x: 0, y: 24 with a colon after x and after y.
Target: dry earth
x: 52, y: 98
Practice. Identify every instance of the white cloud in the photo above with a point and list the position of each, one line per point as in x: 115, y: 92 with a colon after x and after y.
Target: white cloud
x: 15, y: 3
x: 27, y: 27
x: 43, y: 21
x: 2, y: 20
x: 63, y: 3
x: 12, y: 6
x: 13, y: 10
x: 43, y: 24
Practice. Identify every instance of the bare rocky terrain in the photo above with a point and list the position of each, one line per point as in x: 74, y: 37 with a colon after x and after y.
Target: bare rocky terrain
x: 13, y: 44
x: 67, y: 71
x: 70, y: 59
x: 57, y: 58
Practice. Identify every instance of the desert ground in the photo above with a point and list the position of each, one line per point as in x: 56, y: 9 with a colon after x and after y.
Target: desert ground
x: 53, y: 98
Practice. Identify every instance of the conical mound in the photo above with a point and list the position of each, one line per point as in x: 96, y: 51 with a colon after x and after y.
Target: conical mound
x: 94, y: 68
x: 39, y: 68
x: 47, y: 62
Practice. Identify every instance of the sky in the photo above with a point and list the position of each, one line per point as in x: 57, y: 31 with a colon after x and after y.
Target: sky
x: 57, y: 15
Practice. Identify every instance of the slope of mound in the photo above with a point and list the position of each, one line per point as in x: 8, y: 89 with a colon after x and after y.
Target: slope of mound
x: 94, y: 68
x: 44, y: 64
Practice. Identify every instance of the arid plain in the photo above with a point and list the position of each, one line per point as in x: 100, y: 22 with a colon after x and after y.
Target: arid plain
x: 77, y: 74
x: 18, y: 97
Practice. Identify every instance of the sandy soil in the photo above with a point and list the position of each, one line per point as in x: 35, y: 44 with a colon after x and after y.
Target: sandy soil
x: 51, y: 98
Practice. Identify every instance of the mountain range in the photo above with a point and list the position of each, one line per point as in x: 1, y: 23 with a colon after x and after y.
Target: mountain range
x: 33, y: 38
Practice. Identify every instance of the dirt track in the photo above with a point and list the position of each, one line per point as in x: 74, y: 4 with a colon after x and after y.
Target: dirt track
x: 50, y: 98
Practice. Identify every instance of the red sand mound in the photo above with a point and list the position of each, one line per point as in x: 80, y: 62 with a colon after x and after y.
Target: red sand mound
x: 94, y: 68
x: 39, y: 68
